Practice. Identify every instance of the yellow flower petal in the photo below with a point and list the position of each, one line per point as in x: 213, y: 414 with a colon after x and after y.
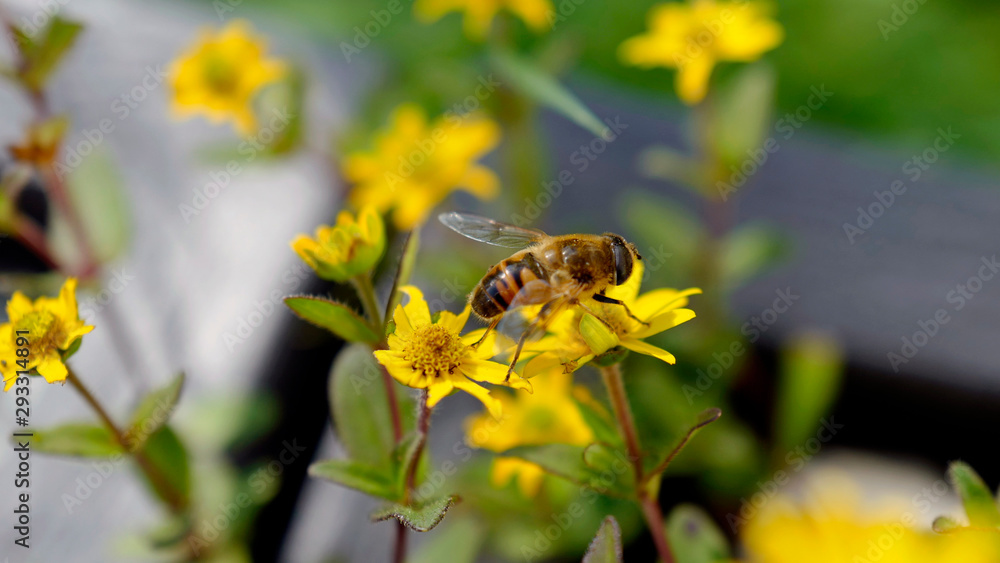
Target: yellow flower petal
x: 492, y: 404
x: 663, y: 322
x: 439, y: 390
x: 52, y: 368
x: 649, y: 350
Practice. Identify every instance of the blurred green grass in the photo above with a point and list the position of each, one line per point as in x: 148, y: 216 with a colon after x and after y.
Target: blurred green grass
x: 940, y: 68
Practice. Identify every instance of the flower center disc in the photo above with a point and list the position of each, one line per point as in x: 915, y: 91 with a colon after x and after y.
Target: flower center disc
x: 434, y: 350
x: 44, y: 330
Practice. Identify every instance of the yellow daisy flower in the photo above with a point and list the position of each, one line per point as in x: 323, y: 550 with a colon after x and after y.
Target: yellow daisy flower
x: 479, y: 14
x: 432, y: 355
x: 415, y: 164
x: 345, y: 250
x: 547, y: 416
x: 51, y: 326
x: 575, y: 336
x: 219, y: 76
x: 833, y: 527
x: 693, y: 37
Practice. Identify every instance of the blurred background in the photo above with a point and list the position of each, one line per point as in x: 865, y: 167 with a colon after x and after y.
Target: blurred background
x: 872, y: 209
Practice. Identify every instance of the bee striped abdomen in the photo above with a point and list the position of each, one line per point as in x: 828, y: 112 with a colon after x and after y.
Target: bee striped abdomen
x: 498, y: 288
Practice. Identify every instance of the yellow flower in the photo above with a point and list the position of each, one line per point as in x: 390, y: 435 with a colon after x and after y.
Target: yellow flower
x: 345, y: 250
x: 479, y: 14
x: 51, y: 327
x: 547, y: 416
x: 831, y: 527
x: 415, y: 164
x: 432, y: 355
x: 576, y: 337
x: 693, y: 37
x: 219, y: 76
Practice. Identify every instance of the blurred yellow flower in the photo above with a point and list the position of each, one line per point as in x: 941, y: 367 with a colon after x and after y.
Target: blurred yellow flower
x: 51, y: 327
x: 219, y: 76
x: 547, y: 416
x: 693, y: 37
x: 428, y: 354
x: 415, y: 164
x: 479, y: 14
x: 833, y: 527
x: 345, y: 250
x: 575, y: 336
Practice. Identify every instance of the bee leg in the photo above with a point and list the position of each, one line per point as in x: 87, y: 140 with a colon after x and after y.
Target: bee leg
x: 543, y: 316
x: 601, y: 298
x: 489, y: 329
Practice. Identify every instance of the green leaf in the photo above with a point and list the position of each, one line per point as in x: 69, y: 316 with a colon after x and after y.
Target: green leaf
x: 603, y: 429
x: 335, y: 317
x: 980, y: 506
x: 664, y: 163
x: 360, y: 408
x: 404, y: 455
x: 78, y: 439
x: 99, y: 196
x: 608, y: 474
x: 457, y: 542
x: 357, y: 476
x: 419, y: 518
x: 748, y: 250
x: 811, y: 366
x: 284, y: 98
x: 407, y: 261
x: 534, y: 83
x: 43, y: 56
x: 153, y: 412
x: 167, y: 453
x: 607, y: 544
x: 694, y: 537
x: 743, y: 115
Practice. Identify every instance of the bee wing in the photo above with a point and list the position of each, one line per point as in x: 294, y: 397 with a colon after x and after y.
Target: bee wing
x: 490, y: 231
x: 521, y: 315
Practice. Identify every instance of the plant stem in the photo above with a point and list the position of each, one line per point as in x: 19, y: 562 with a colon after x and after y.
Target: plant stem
x: 423, y: 427
x: 366, y: 293
x: 615, y: 385
x: 173, y: 498
x: 399, y: 553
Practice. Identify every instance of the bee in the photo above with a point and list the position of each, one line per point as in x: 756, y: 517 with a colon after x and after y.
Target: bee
x: 552, y: 271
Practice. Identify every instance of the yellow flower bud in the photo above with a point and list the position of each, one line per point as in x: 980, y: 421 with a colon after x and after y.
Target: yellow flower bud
x: 347, y: 249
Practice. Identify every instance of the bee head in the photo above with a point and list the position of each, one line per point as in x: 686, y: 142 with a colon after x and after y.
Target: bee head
x: 624, y: 254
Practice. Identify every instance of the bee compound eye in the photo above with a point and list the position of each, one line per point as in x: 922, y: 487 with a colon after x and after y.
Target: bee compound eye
x: 623, y: 263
